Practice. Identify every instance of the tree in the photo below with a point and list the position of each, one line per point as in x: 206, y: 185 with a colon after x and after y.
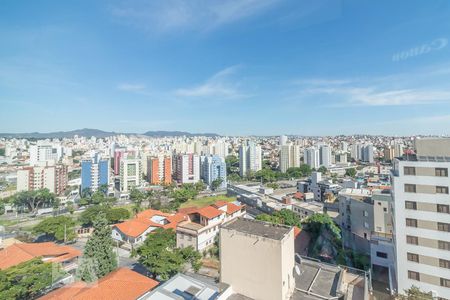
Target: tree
x: 216, y: 184
x: 266, y: 175
x: 414, y: 293
x: 70, y: 207
x: 294, y: 172
x: 137, y: 197
x: 99, y: 258
x: 305, y: 169
x: 27, y: 280
x: 322, y: 170
x: 34, y: 199
x: 159, y: 255
x: 232, y: 163
x: 62, y: 228
x: 200, y: 186
x: 113, y: 215
x: 350, y: 172
x: 234, y: 177
x: 316, y: 223
x: 284, y: 216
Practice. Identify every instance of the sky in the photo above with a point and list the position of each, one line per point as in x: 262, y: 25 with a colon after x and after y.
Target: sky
x: 235, y: 67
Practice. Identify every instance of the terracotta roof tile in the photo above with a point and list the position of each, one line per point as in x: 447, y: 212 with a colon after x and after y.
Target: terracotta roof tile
x: 122, y: 284
x: 18, y: 253
x: 210, y: 212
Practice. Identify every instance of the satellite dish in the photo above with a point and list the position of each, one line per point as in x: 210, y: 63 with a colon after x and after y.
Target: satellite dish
x: 297, y: 270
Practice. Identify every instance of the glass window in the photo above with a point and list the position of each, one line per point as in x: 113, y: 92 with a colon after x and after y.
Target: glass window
x: 414, y: 275
x: 441, y: 172
x: 411, y: 222
x: 444, y: 245
x: 413, y: 257
x: 445, y: 282
x: 443, y: 227
x: 382, y: 254
x: 409, y: 171
x: 443, y: 263
x: 410, y: 188
x: 442, y: 190
x: 443, y: 208
x: 410, y: 205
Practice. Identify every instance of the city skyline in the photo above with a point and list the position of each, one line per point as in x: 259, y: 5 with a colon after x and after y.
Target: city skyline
x: 318, y: 69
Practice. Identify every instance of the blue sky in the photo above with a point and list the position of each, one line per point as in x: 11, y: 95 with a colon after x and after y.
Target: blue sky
x: 263, y: 67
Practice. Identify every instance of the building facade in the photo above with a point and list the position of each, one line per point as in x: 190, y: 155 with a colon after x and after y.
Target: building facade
x: 159, y: 170
x: 130, y: 174
x: 213, y: 168
x: 187, y: 168
x: 94, y: 173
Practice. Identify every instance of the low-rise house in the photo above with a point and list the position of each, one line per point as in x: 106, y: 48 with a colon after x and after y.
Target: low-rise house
x: 133, y: 232
x: 202, y: 224
x: 49, y: 252
x: 122, y: 284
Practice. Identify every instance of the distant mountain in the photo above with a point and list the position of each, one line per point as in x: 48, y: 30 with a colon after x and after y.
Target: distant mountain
x: 177, y: 133
x: 88, y: 132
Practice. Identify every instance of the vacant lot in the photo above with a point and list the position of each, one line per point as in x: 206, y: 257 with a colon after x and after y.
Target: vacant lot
x: 205, y: 201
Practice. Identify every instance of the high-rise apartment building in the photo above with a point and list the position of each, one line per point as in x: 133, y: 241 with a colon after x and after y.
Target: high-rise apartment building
x: 250, y: 158
x: 94, y: 173
x: 389, y: 153
x: 43, y: 153
x: 325, y: 155
x: 130, y: 173
x: 159, y: 170
x: 422, y: 218
x: 54, y: 178
x: 312, y: 157
x: 289, y: 157
x: 187, y: 168
x: 214, y: 167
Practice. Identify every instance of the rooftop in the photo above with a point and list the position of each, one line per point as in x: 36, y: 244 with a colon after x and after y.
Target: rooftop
x: 183, y: 286
x: 121, y: 284
x: 259, y: 228
x: 18, y: 253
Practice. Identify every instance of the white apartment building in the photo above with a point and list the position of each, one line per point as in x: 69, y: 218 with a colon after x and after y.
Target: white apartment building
x: 289, y: 157
x: 422, y: 218
x: 312, y: 157
x: 250, y: 158
x: 202, y: 226
x: 325, y: 155
x: 42, y: 153
x: 130, y: 174
x: 187, y: 168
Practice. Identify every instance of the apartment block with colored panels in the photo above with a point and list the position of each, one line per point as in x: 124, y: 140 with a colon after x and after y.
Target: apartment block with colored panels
x: 159, y: 170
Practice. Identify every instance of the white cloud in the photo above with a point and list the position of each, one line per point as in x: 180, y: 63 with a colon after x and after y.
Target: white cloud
x: 202, y: 15
x: 219, y: 85
x: 131, y: 87
x: 392, y: 90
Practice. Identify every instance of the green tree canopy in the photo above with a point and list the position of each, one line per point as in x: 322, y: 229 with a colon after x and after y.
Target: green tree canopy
x: 350, y: 172
x: 159, y: 255
x: 284, y: 216
x: 34, y: 200
x: 322, y: 170
x: 305, y: 169
x: 28, y: 279
x: 99, y: 258
x: 414, y: 293
x: 266, y: 175
x: 316, y: 223
x: 216, y: 184
x: 113, y: 215
x: 62, y: 228
x: 294, y: 172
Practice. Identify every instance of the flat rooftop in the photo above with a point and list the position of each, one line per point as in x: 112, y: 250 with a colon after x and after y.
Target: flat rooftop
x: 258, y: 228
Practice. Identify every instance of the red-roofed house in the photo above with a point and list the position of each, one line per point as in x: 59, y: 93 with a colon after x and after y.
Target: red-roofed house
x: 202, y: 225
x: 133, y: 232
x: 49, y: 252
x: 122, y: 284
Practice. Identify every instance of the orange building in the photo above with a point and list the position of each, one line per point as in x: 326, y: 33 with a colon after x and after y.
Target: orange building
x: 159, y: 170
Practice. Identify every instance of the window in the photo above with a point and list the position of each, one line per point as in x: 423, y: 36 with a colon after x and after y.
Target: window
x: 414, y: 275
x: 442, y: 208
x: 366, y: 225
x: 445, y: 282
x: 381, y: 254
x: 444, y: 245
x: 413, y: 257
x: 411, y: 222
x: 410, y: 205
x: 441, y: 172
x: 365, y: 213
x: 409, y: 170
x: 442, y: 190
x: 384, y: 209
x: 443, y: 227
x: 443, y: 263
x: 410, y: 188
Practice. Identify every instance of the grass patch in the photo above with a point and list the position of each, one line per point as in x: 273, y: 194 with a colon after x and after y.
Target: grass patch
x: 205, y: 201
